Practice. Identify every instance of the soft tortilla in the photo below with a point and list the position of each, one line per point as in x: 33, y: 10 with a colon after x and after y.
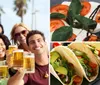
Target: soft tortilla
x: 82, y: 47
x: 97, y: 47
x: 62, y: 52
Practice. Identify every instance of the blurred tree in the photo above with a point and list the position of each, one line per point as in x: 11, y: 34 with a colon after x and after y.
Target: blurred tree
x: 21, y: 8
x: 1, y: 12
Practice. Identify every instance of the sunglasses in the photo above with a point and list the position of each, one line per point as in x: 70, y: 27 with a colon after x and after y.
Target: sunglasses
x: 22, y: 32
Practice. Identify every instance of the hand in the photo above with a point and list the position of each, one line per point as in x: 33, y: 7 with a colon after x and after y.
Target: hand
x: 21, y: 72
x: 17, y: 79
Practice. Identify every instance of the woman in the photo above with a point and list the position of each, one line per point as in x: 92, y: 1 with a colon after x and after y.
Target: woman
x: 18, y: 35
x: 4, y: 44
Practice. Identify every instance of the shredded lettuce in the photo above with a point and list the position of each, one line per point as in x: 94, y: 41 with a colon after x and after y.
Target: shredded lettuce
x: 86, y: 67
x: 82, y: 54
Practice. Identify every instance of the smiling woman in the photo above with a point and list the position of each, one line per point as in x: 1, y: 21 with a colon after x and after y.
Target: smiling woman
x: 4, y: 43
x: 18, y: 35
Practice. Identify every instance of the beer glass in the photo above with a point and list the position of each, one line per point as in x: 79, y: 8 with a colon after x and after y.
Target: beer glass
x: 29, y: 62
x: 17, y: 58
x: 11, y: 49
x: 3, y: 70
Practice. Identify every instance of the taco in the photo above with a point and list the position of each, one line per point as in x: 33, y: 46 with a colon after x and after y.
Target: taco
x: 95, y: 48
x: 86, y: 60
x: 64, y: 68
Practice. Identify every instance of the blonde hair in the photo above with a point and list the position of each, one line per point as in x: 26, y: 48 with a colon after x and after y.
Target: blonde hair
x: 13, y: 30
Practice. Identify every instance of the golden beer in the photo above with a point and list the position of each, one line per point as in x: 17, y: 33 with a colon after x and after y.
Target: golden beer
x: 29, y: 63
x: 11, y: 49
x: 18, y: 58
x: 4, y: 71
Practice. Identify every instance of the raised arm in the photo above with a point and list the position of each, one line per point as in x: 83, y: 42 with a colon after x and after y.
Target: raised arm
x: 17, y: 79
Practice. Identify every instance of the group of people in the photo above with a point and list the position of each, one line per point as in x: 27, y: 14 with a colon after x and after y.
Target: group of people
x: 30, y: 41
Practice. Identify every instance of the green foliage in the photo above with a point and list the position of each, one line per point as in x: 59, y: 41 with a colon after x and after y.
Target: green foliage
x: 76, y: 20
x: 20, y: 8
x: 57, y: 16
x: 62, y: 34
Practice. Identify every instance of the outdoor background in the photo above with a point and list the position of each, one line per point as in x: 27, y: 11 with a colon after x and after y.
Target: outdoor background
x: 38, y: 10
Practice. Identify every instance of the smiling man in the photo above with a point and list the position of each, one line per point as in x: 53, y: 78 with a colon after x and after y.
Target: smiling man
x: 36, y: 42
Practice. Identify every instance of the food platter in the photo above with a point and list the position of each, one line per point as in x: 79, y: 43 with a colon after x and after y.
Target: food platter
x: 82, y: 34
x: 54, y: 81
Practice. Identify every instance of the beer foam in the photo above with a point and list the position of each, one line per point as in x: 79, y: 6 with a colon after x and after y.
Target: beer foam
x: 31, y: 55
x: 13, y: 46
x: 19, y: 50
x: 4, y: 66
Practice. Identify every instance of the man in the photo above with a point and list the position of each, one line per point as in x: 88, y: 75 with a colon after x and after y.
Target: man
x: 36, y: 42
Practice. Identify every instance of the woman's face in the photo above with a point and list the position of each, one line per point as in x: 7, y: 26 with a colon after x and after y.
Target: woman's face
x: 2, y: 48
x: 20, y: 34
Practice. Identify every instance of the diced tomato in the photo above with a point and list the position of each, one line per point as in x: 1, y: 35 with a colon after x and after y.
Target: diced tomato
x: 99, y: 52
x: 92, y: 65
x: 77, y: 79
x: 63, y: 9
x: 90, y: 70
x: 73, y: 37
x: 85, y: 61
x: 86, y: 8
x: 79, y: 56
x: 71, y: 65
x: 56, y: 44
x: 55, y: 24
x: 97, y: 18
x: 62, y: 76
x: 91, y: 38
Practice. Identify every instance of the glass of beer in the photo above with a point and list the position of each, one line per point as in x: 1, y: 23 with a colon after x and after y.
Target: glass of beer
x: 4, y: 70
x: 29, y: 62
x: 11, y: 49
x: 18, y: 58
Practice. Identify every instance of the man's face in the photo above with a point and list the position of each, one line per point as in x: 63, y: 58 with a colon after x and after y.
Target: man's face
x: 37, y: 44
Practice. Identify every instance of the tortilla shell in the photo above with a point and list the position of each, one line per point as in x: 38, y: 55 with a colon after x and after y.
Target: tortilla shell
x: 82, y: 47
x: 97, y: 47
x: 62, y: 52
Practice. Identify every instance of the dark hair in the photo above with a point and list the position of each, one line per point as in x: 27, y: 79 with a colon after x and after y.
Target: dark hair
x: 33, y: 32
x: 6, y: 41
x: 2, y: 29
